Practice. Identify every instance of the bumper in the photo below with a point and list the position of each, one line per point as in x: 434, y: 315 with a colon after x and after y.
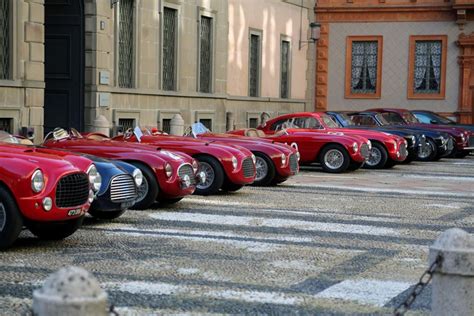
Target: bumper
x: 290, y: 169
x: 104, y: 204
x: 32, y: 209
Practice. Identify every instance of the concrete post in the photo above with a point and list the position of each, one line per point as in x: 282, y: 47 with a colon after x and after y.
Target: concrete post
x: 101, y: 125
x: 177, y: 125
x: 70, y: 291
x: 230, y: 121
x: 453, y: 282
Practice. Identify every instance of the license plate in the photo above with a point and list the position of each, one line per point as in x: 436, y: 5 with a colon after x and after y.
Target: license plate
x: 74, y: 212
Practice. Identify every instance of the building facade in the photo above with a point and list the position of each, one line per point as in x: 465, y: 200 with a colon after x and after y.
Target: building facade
x: 410, y: 54
x: 119, y: 63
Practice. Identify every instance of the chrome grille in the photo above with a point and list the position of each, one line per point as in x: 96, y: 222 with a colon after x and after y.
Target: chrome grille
x: 123, y: 189
x: 72, y: 190
x: 403, y: 150
x: 248, y: 168
x: 293, y: 163
x: 187, y: 169
x: 450, y: 143
x: 364, y: 150
x: 471, y: 141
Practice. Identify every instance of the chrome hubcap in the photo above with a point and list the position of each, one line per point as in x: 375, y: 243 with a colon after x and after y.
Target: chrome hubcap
x: 334, y: 159
x: 142, y: 190
x: 210, y: 175
x: 425, y: 151
x: 375, y: 157
x: 3, y: 217
x: 262, y: 169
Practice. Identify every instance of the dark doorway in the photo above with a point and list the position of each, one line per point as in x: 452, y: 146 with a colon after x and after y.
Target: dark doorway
x: 64, y: 64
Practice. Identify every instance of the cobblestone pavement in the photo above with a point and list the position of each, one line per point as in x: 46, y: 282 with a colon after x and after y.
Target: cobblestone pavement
x: 320, y: 243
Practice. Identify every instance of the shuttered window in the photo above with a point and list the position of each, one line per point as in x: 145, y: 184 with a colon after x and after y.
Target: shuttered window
x: 6, y: 124
x: 5, y: 39
x: 254, y: 65
x: 126, y: 43
x: 205, y: 55
x: 285, y: 70
x: 127, y: 123
x: 166, y: 126
x: 207, y: 123
x: 170, y: 19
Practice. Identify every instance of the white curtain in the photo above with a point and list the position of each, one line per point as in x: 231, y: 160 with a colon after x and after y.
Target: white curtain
x: 357, y: 62
x: 371, y: 55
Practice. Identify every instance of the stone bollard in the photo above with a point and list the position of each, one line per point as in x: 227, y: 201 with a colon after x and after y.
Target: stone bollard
x: 230, y: 121
x: 453, y: 281
x: 101, y: 125
x: 70, y: 291
x: 177, y: 125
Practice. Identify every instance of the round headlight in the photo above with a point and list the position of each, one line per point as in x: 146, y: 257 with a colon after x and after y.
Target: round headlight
x: 463, y: 138
x: 95, y: 179
x: 298, y: 155
x: 355, y: 147
x: 137, y: 177
x: 234, y: 162
x: 37, y: 181
x: 369, y: 143
x: 395, y: 145
x: 168, y: 170
x: 254, y: 159
x: 283, y: 159
x: 47, y: 204
x: 195, y: 166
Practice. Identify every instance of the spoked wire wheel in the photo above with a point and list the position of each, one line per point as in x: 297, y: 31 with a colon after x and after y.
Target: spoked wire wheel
x: 333, y: 159
x: 3, y: 217
x: 142, y: 190
x: 210, y: 176
x: 261, y: 167
x: 375, y: 157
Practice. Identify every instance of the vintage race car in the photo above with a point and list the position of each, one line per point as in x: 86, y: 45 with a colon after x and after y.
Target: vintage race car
x: 275, y: 162
x: 167, y: 176
x: 223, y: 166
x: 334, y: 151
x: 406, y: 118
x: 49, y: 194
x: 387, y: 149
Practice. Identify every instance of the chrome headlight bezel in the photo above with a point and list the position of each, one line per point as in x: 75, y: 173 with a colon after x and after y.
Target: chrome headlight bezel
x: 168, y: 170
x: 235, y: 162
x: 254, y: 159
x: 195, y: 165
x: 355, y: 147
x: 37, y: 181
x: 283, y: 159
x: 95, y: 179
x: 137, y: 177
x: 463, y: 138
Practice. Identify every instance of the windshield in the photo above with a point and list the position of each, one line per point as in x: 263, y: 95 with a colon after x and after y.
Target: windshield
x: 7, y: 138
x: 346, y: 120
x: 442, y: 119
x: 329, y: 121
x: 382, y: 119
x: 199, y: 128
x: 393, y: 118
x: 410, y: 118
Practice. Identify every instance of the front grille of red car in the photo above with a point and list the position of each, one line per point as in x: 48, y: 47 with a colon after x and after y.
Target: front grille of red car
x: 123, y: 189
x: 403, y: 150
x: 293, y: 163
x: 72, y: 190
x: 187, y: 169
x: 248, y: 168
x: 450, y: 144
x: 364, y: 150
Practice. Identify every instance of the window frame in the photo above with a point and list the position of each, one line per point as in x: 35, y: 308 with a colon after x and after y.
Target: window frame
x: 348, y: 94
x: 177, y: 45
x: 258, y: 33
x: 285, y: 38
x: 411, y: 94
x: 202, y: 12
x: 13, y: 61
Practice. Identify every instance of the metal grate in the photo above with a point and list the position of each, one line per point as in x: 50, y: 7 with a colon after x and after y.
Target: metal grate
x: 126, y: 43
x: 126, y: 123
x: 285, y: 65
x: 187, y: 169
x: 166, y: 126
x: 205, y: 53
x: 293, y: 163
x: 254, y: 71
x: 364, y: 66
x: 123, y: 189
x: 427, y: 66
x: 170, y: 17
x: 5, y: 39
x: 253, y: 122
x: 72, y: 190
x: 403, y: 150
x: 248, y: 168
x: 6, y: 124
x: 207, y: 123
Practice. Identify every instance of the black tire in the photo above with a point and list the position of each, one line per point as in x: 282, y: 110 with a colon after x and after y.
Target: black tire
x: 390, y: 164
x: 378, y: 157
x: 278, y: 179
x: 341, y: 154
x: 434, y: 151
x: 170, y: 201
x: 55, y: 230
x: 211, y: 186
x: 148, y: 191
x: 355, y: 165
x: 462, y: 154
x: 231, y: 187
x: 268, y: 164
x: 11, y: 221
x: 106, y: 214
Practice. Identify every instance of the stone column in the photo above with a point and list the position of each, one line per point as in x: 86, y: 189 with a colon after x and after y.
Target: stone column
x: 177, y: 125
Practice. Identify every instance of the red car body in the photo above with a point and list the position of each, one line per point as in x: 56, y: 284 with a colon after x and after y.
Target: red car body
x: 243, y: 174
x: 153, y: 158
x: 460, y: 135
x: 394, y: 146
x: 66, y: 184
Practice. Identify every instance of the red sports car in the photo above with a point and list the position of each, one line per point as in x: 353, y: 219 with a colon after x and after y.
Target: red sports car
x: 275, y: 162
x: 335, y: 152
x: 387, y: 149
x: 48, y: 193
x: 167, y: 176
x: 225, y: 167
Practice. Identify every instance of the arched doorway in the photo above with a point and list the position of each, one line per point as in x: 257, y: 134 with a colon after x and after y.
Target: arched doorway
x: 64, y: 64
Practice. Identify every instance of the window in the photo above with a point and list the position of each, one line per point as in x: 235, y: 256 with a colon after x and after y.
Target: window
x: 253, y: 122
x: 6, y: 125
x: 205, y: 55
x: 305, y: 122
x: 254, y: 64
x: 207, y: 123
x: 427, y: 67
x: 166, y: 126
x: 126, y: 124
x: 285, y: 70
x: 126, y: 44
x: 170, y: 19
x: 363, y: 67
x: 5, y: 39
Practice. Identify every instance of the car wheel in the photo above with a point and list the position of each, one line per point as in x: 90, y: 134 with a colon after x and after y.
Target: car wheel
x: 462, y: 154
x: 106, y: 214
x: 170, y: 201
x: 148, y: 191
x: 390, y: 164
x: 11, y: 221
x: 231, y: 187
x: 278, y: 179
x: 214, y: 176
x: 55, y: 230
x: 429, y: 151
x: 265, y: 170
x: 378, y: 157
x: 355, y: 165
x: 334, y: 158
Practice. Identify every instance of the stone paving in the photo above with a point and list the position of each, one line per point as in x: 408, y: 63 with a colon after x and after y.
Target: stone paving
x: 318, y: 244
